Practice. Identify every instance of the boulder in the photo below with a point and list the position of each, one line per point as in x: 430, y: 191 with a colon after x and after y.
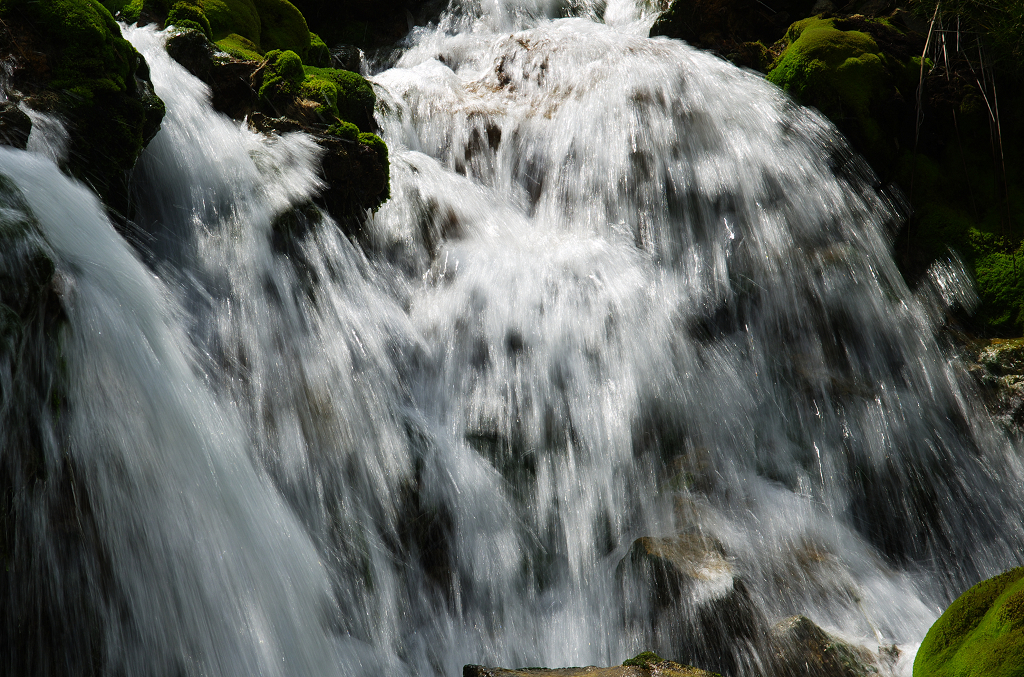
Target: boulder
x: 981, y: 633
x: 862, y: 73
x: 688, y: 590
x: 739, y: 30
x: 229, y: 78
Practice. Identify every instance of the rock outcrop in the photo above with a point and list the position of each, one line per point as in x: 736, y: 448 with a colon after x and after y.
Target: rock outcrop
x: 646, y: 664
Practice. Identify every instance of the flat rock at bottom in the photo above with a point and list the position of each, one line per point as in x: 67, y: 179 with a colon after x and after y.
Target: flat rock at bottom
x: 659, y: 669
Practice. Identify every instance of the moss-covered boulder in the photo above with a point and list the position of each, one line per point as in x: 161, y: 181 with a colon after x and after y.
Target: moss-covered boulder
x: 69, y: 58
x: 840, y: 67
x: 742, y: 31
x: 980, y: 635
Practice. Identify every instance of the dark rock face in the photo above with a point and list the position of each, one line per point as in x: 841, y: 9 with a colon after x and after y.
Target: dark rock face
x: 354, y: 176
x: 15, y: 125
x: 805, y: 650
x: 229, y: 79
x: 740, y: 30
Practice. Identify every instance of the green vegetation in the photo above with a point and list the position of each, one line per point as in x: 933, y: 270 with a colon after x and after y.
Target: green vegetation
x: 319, y: 53
x: 282, y: 78
x: 981, y: 633
x: 282, y: 26
x: 378, y: 145
x: 644, y: 659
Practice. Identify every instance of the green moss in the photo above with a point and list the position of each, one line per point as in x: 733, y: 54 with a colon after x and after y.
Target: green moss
x: 644, y: 660
x: 381, y: 148
x: 981, y: 633
x: 282, y: 78
x: 342, y: 94
x: 282, y: 26
x: 239, y: 47
x: 844, y: 74
x: 319, y: 54
x: 345, y: 130
x: 234, y: 17
x: 189, y: 15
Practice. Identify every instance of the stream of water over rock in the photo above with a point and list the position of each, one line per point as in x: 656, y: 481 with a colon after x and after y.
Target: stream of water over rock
x: 621, y: 289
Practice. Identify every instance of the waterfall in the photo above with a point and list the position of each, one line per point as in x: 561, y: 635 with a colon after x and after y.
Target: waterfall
x: 622, y: 289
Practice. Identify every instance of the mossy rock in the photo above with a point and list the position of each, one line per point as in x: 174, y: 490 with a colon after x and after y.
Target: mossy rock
x: 282, y: 27
x: 846, y: 75
x: 239, y: 47
x: 189, y: 15
x: 980, y: 634
x: 234, y: 17
x: 319, y: 54
x: 96, y: 79
x: 342, y: 94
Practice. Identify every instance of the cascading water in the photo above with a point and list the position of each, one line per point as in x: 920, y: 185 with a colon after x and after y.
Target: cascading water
x: 621, y: 289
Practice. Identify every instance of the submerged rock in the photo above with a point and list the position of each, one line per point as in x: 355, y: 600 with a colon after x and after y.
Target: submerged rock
x: 687, y: 588
x: 981, y: 633
x: 805, y: 650
x: 646, y: 664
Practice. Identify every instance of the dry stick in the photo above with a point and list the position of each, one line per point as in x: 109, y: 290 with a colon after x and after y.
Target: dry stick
x: 919, y: 114
x: 956, y: 122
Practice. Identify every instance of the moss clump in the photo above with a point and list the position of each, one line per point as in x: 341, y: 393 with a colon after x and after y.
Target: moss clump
x: 189, y: 15
x: 319, y: 54
x: 239, y: 47
x: 981, y: 633
x: 282, y: 78
x: 344, y: 130
x: 125, y: 10
x: 847, y: 77
x: 341, y: 94
x: 644, y: 660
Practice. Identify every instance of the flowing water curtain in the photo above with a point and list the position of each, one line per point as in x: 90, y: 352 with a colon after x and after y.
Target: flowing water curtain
x: 621, y: 290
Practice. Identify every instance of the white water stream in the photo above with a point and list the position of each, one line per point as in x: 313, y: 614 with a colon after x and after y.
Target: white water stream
x: 621, y: 289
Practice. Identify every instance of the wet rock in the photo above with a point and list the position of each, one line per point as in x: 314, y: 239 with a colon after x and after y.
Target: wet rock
x: 805, y: 650
x: 646, y: 664
x: 15, y: 125
x: 689, y: 592
x: 981, y: 633
x: 229, y: 79
x: 998, y: 368
x: 354, y: 175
